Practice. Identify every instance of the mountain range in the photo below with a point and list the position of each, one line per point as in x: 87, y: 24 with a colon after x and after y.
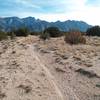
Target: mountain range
x: 9, y: 23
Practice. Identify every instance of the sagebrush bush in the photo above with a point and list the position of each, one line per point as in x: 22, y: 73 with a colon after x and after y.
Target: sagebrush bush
x: 3, y: 35
x: 75, y: 37
x: 45, y: 35
x: 11, y: 35
x: 21, y: 32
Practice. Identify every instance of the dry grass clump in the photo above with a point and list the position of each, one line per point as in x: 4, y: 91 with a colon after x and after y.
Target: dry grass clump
x: 75, y: 37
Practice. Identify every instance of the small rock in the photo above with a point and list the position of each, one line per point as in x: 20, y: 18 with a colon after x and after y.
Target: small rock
x: 98, y: 85
x: 0, y: 52
x: 60, y: 61
x: 57, y: 60
x: 2, y: 95
x: 53, y: 48
x: 65, y: 56
x: 44, y: 51
x: 77, y: 57
x: 27, y: 89
x: 59, y: 69
x: 88, y: 73
x: 13, y: 52
x: 88, y: 64
x: 5, y: 47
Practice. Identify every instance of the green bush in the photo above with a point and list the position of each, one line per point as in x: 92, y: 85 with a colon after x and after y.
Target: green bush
x: 53, y: 31
x: 45, y: 35
x: 3, y: 35
x: 11, y: 35
x: 94, y: 31
x: 22, y: 32
x: 75, y: 37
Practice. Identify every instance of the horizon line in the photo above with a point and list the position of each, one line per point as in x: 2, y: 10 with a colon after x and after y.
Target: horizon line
x: 46, y: 20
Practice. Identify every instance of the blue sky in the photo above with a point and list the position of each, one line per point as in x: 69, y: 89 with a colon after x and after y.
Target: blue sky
x: 53, y: 10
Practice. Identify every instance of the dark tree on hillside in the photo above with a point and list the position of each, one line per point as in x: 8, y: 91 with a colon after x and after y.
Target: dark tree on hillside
x: 53, y: 31
x: 94, y: 31
x: 21, y: 32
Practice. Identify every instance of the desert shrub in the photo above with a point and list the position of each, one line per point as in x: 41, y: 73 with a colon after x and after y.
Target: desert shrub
x: 75, y: 37
x: 35, y: 33
x: 93, y: 31
x: 3, y: 35
x: 22, y: 32
x: 53, y: 31
x: 11, y: 35
x: 83, y: 33
x: 45, y: 35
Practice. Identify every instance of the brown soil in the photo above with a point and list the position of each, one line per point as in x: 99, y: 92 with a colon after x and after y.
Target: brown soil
x: 32, y: 69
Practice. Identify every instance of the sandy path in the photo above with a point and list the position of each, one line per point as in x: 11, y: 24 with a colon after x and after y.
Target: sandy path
x: 53, y: 80
x: 63, y: 60
x: 49, y: 75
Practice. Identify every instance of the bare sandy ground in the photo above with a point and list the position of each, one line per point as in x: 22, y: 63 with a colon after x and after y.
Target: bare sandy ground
x: 75, y: 67
x: 23, y: 76
x: 31, y: 69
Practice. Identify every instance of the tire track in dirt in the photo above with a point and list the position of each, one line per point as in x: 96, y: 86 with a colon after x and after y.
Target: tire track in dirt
x: 49, y: 75
x: 52, y: 79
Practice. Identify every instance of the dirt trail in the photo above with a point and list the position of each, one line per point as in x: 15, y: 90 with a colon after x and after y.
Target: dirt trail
x: 49, y: 75
x: 63, y: 60
x: 52, y: 78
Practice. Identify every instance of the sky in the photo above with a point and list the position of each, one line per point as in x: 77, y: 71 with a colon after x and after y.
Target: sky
x: 53, y: 10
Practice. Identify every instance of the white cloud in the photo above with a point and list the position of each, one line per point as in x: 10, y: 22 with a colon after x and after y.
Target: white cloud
x: 74, y: 10
x: 53, y: 10
x: 27, y: 3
